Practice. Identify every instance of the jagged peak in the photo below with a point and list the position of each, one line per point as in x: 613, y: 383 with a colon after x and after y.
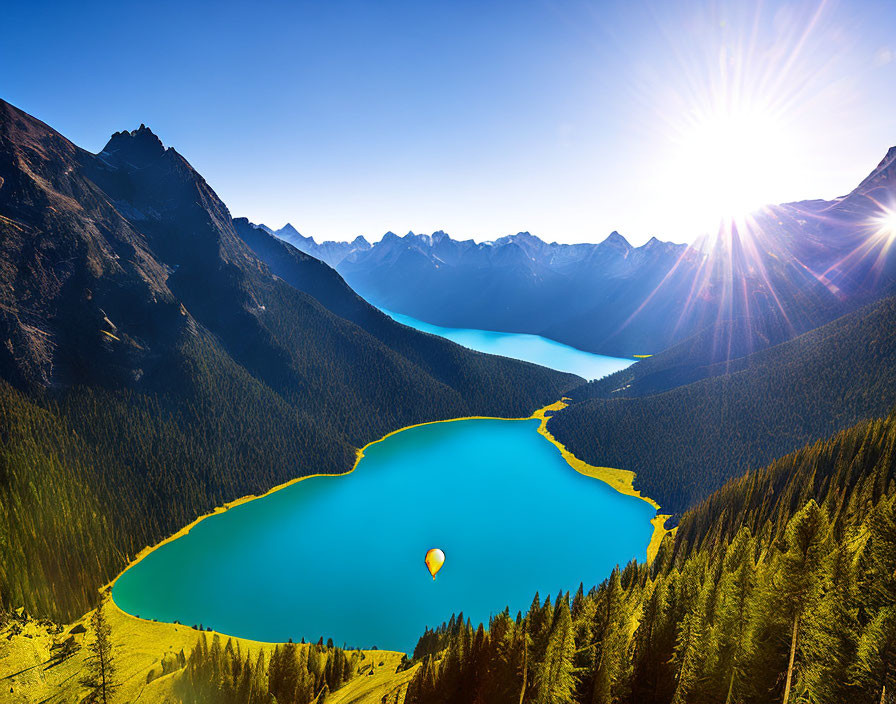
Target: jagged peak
x: 882, y: 176
x: 290, y: 232
x: 615, y: 238
x: 888, y: 161
x: 140, y: 144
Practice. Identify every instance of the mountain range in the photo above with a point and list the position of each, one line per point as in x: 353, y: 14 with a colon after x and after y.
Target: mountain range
x: 781, y: 271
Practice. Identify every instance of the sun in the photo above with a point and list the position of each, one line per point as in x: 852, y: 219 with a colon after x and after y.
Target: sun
x: 885, y: 225
x: 726, y: 159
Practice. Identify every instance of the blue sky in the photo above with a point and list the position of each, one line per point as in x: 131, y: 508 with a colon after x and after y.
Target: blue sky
x: 567, y: 119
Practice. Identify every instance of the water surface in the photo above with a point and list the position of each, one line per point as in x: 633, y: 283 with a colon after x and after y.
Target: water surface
x: 529, y: 348
x: 342, y: 557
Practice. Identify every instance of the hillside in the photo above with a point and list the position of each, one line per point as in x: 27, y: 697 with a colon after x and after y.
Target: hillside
x: 686, y: 442
x: 154, y: 367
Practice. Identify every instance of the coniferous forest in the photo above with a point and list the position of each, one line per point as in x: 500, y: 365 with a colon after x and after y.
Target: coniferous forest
x: 779, y: 587
x: 685, y: 442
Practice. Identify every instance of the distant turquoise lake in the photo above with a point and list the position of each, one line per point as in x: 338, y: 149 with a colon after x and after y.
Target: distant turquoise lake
x: 530, y: 348
x: 342, y: 557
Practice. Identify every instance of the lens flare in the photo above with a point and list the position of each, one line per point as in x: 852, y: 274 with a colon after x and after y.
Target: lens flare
x: 736, y: 110
x: 885, y: 223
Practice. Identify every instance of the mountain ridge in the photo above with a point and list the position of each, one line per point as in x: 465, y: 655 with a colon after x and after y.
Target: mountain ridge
x: 786, y: 268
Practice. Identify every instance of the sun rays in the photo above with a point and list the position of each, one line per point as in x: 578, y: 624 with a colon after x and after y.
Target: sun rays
x: 735, y: 118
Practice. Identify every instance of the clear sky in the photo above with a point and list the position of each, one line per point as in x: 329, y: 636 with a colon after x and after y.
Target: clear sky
x: 566, y: 119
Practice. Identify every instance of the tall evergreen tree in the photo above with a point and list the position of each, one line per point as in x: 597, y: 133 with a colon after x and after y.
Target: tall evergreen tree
x: 802, y: 574
x: 875, y: 666
x: 100, y: 665
x: 612, y: 628
x: 736, y: 591
x: 690, y: 645
x: 555, y: 681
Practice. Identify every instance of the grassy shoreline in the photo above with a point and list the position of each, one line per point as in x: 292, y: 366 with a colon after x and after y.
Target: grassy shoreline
x: 621, y: 480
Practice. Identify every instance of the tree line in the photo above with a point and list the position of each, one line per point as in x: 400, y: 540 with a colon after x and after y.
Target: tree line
x: 294, y: 674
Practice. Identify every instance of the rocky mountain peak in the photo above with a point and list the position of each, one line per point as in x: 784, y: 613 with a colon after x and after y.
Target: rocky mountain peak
x: 884, y: 176
x: 137, y: 146
x: 288, y: 232
x: 617, y: 240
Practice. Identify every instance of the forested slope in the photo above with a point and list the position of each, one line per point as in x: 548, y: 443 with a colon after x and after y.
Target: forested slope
x: 780, y: 587
x: 153, y: 367
x: 685, y: 443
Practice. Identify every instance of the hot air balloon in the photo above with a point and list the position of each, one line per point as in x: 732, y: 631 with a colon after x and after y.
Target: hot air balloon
x: 434, y: 560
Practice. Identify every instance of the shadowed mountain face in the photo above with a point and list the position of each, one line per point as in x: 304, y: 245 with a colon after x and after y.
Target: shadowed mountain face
x: 515, y: 284
x: 686, y: 442
x: 158, y: 358
x: 779, y: 272
x: 111, y: 259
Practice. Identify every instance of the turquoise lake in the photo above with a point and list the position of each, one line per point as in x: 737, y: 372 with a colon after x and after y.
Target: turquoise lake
x: 342, y: 557
x: 530, y: 348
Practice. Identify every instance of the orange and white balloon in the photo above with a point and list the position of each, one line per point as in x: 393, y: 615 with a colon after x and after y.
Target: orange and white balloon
x: 434, y: 560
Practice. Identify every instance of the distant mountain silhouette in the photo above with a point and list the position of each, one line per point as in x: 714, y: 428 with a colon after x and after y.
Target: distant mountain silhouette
x: 782, y: 271
x: 330, y: 252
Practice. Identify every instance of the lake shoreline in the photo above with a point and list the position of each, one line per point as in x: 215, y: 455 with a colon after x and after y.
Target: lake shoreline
x: 619, y: 480
x: 527, y: 347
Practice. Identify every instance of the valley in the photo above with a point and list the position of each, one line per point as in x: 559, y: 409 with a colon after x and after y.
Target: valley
x: 179, y: 378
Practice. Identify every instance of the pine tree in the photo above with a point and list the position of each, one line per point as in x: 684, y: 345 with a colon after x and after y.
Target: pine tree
x: 832, y: 632
x: 690, y: 645
x: 100, y: 665
x: 875, y: 666
x: 649, y: 656
x: 802, y: 572
x: 880, y: 560
x: 736, y: 590
x: 612, y: 629
x: 555, y: 681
